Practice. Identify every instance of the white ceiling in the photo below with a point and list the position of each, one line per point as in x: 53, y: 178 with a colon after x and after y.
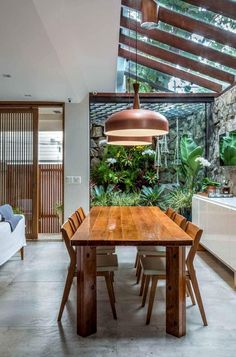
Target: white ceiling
x: 58, y: 49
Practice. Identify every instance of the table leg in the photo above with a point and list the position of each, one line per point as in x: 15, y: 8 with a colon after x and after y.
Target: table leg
x: 86, y: 291
x: 175, y: 291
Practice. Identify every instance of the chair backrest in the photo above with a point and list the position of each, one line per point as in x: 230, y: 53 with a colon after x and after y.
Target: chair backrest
x: 80, y: 213
x: 74, y: 222
x: 170, y: 212
x: 67, y: 234
x: 194, y: 232
x: 180, y: 220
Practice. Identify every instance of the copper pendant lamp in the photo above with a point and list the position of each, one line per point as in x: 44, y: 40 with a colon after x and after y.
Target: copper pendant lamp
x: 136, y: 122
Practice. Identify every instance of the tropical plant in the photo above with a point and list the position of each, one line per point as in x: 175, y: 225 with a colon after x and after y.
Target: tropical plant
x: 208, y: 182
x: 228, y: 149
x: 17, y: 210
x: 151, y: 196
x: 190, y: 152
x: 124, y: 199
x: 151, y: 177
x: 101, y: 196
x: 180, y: 200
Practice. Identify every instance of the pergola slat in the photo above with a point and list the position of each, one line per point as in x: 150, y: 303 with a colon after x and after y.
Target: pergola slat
x: 172, y: 71
x: 226, y: 8
x: 181, y: 43
x: 189, y: 24
x: 177, y: 59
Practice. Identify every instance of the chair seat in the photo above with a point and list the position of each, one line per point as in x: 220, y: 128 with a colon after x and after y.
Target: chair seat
x: 153, y: 266
x: 152, y: 250
x: 107, y: 263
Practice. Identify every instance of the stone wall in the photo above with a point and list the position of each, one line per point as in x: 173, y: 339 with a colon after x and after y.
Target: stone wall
x: 223, y: 120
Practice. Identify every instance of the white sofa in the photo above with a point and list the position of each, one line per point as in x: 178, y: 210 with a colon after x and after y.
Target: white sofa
x: 11, y: 242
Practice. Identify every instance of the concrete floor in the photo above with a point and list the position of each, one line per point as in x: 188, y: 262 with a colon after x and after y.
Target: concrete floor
x: 30, y: 294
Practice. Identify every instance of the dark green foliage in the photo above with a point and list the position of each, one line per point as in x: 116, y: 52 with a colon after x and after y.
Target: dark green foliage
x: 228, y: 149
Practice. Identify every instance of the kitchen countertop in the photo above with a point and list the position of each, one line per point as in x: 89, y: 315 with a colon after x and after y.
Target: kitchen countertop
x: 222, y: 201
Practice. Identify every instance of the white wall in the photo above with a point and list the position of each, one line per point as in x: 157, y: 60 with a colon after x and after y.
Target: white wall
x: 76, y: 156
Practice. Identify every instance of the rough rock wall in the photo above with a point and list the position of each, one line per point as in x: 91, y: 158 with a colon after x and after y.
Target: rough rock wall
x: 223, y: 120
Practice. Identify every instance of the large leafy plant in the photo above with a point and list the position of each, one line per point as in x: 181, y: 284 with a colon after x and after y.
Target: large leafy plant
x: 228, y: 149
x: 190, y: 152
x: 151, y: 196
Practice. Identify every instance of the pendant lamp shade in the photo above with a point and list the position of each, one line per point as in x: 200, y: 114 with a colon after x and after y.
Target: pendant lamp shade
x: 136, y: 122
x: 129, y: 141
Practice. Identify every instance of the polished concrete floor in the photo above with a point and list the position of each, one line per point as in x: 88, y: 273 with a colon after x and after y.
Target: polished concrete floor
x: 30, y: 294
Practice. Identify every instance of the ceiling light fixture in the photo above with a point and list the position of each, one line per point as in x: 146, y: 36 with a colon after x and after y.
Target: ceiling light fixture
x: 136, y: 122
x: 149, y: 18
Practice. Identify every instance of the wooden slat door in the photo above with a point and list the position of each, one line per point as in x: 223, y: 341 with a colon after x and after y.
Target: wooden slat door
x: 51, y: 193
x: 19, y: 163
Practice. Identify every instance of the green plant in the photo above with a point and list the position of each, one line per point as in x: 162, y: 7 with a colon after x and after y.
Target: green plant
x: 17, y: 210
x: 228, y: 149
x: 124, y: 199
x: 151, y: 177
x: 101, y: 196
x: 180, y: 200
x: 208, y: 182
x: 151, y: 196
x: 58, y: 208
x: 190, y: 152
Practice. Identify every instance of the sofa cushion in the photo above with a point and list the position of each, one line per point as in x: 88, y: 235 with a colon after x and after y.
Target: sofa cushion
x: 8, y: 215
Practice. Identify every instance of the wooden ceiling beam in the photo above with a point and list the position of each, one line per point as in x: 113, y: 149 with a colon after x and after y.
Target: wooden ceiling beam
x: 172, y: 71
x: 181, y: 43
x: 175, y: 58
x: 226, y: 8
x: 189, y: 24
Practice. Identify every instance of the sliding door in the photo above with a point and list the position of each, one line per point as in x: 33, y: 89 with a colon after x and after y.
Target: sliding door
x: 19, y: 163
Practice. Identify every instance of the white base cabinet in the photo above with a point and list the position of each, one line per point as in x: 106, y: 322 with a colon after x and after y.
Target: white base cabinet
x: 217, y: 218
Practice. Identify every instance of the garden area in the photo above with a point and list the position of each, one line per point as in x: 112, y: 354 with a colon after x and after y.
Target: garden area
x: 129, y: 177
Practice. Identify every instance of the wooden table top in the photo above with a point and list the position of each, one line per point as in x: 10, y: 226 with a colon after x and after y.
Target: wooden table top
x: 129, y: 226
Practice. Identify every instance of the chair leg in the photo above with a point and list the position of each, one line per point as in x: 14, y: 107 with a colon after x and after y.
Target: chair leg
x: 190, y: 290
x: 138, y: 265
x: 69, y: 280
x: 136, y: 260
x: 187, y: 292
x: 109, y: 289
x: 142, y: 285
x: 145, y: 291
x: 151, y: 298
x: 139, y: 272
x: 112, y: 286
x: 198, y: 296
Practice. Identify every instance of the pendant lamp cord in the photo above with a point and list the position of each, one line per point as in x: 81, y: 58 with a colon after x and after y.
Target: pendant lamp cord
x: 129, y: 87
x: 136, y: 46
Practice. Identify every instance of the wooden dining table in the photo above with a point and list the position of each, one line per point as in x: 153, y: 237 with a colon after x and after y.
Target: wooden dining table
x: 130, y: 226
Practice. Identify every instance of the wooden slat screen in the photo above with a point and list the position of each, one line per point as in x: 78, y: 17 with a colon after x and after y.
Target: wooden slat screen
x: 51, y: 193
x: 18, y: 163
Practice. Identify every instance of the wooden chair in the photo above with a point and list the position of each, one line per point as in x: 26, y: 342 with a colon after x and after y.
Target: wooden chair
x: 75, y: 221
x: 100, y: 250
x: 155, y: 269
x: 180, y: 220
x: 106, y: 265
x: 170, y: 212
x: 80, y: 213
x: 158, y: 251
